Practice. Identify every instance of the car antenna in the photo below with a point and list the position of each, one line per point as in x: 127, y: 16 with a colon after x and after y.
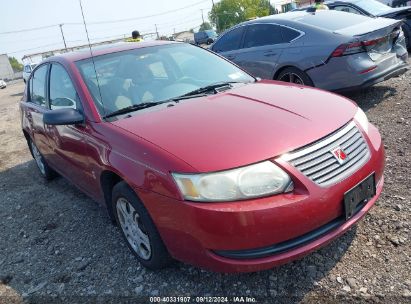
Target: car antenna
x: 91, y: 52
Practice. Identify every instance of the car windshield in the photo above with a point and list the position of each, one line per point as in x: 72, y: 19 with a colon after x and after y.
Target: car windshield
x: 211, y: 33
x: 153, y: 74
x: 372, y: 6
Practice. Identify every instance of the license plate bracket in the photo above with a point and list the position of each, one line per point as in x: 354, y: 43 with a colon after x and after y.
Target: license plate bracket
x: 360, y: 193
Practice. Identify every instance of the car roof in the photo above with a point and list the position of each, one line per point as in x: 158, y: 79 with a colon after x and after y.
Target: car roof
x: 105, y: 49
x: 328, y: 3
x: 340, y: 2
x: 321, y: 18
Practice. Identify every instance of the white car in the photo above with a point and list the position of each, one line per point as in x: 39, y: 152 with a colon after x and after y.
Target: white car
x: 3, y: 84
x: 28, y: 68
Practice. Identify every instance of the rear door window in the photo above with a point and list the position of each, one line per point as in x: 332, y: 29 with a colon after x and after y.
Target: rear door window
x: 38, y: 86
x: 230, y: 41
x: 262, y: 34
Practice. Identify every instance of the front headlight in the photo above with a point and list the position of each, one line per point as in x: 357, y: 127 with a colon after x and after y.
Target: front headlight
x: 252, y: 181
x: 361, y: 119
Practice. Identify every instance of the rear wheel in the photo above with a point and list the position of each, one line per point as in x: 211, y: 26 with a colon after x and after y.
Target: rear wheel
x: 41, y: 163
x: 138, y: 229
x: 296, y: 76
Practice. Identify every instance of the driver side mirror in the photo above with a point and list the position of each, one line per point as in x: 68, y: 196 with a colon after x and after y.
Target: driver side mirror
x: 64, y: 116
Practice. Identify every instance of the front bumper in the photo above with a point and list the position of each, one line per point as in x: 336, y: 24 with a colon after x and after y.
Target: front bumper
x: 203, y: 233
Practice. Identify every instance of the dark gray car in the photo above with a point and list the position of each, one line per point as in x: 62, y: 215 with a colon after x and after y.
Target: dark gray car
x: 327, y: 49
x: 372, y: 8
x: 205, y: 37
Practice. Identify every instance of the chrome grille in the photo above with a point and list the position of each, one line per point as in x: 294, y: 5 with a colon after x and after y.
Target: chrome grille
x: 319, y: 164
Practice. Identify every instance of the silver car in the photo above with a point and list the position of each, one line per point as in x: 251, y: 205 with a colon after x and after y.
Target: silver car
x: 3, y: 84
x: 332, y: 50
x: 28, y: 68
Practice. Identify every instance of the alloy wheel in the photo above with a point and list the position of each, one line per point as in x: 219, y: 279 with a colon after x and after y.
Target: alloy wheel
x: 38, y: 158
x: 292, y: 77
x: 133, y: 228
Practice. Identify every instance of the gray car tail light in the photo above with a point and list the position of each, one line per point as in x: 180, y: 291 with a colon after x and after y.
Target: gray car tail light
x: 374, y: 47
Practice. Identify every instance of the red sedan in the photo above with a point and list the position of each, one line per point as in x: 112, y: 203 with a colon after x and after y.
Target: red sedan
x: 196, y: 160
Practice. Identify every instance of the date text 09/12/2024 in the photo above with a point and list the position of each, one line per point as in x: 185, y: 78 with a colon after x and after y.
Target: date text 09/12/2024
x: 203, y: 299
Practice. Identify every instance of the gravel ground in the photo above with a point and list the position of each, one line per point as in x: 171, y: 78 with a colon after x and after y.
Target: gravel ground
x: 57, y: 244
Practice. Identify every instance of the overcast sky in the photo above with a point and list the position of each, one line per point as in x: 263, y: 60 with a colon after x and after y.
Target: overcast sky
x: 16, y: 15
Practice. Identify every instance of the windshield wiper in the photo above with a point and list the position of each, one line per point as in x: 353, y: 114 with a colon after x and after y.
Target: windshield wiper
x: 145, y: 105
x: 185, y: 96
x: 200, y: 92
x: 211, y: 87
x: 132, y: 108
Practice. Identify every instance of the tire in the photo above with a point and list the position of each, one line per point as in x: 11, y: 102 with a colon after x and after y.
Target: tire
x: 209, y: 41
x: 407, y: 34
x: 144, y: 241
x: 45, y: 170
x: 296, y: 76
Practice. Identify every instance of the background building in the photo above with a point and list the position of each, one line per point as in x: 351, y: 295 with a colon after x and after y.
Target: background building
x: 37, y: 57
x: 6, y: 72
x: 185, y: 36
x: 303, y: 3
x: 283, y: 6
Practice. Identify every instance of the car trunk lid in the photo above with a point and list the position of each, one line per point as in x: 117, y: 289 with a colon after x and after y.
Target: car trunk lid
x: 375, y: 36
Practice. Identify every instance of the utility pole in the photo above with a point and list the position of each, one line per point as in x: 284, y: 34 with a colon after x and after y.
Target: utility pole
x: 158, y: 37
x: 202, y: 16
x: 62, y: 34
x: 216, y: 17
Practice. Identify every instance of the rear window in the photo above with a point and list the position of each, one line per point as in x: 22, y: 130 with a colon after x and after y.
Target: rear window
x: 211, y: 33
x: 332, y: 20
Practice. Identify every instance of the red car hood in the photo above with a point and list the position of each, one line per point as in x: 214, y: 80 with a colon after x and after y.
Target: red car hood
x: 241, y: 126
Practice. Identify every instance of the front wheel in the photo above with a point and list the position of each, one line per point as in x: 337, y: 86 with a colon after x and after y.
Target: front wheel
x: 296, y: 76
x: 41, y: 163
x: 138, y: 228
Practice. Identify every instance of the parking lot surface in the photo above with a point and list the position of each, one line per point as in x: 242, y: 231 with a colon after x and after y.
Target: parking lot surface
x: 57, y: 244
